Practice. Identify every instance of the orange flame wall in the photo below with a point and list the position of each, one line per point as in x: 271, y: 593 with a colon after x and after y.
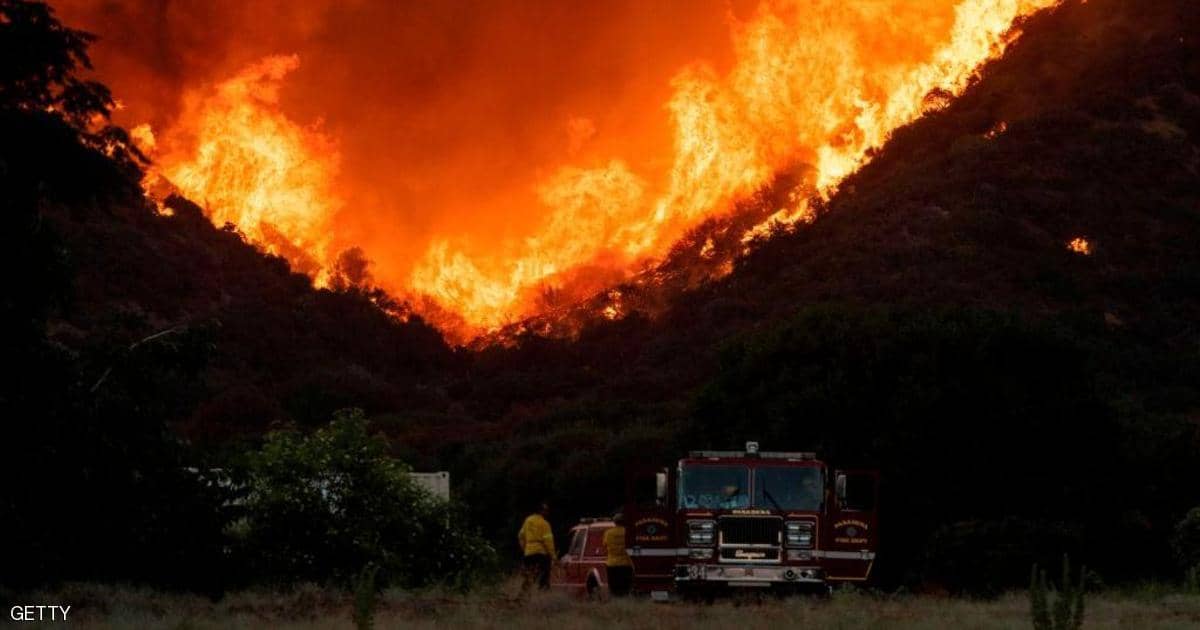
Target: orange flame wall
x: 486, y: 155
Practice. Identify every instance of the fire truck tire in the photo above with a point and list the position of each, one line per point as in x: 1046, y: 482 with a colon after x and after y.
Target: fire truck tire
x: 593, y: 587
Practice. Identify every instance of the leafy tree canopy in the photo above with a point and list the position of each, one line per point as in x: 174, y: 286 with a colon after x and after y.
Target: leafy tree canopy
x: 40, y: 65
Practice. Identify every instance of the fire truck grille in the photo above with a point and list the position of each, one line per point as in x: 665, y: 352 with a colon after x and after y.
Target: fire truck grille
x: 743, y: 530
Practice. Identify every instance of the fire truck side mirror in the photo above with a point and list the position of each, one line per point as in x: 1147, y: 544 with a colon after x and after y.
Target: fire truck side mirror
x: 660, y: 488
x: 855, y: 490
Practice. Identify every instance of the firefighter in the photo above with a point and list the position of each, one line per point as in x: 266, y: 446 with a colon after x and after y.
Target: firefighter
x: 732, y: 497
x: 537, y: 543
x: 617, y: 562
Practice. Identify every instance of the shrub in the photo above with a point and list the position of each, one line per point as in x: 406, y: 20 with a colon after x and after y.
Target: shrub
x: 1067, y: 610
x: 322, y: 506
x: 987, y: 557
x: 365, y: 592
x: 1186, y: 541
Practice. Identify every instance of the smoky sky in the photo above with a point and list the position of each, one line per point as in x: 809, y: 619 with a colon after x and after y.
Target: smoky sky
x: 445, y: 113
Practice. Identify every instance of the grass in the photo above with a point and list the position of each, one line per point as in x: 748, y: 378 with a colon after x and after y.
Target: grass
x: 98, y: 606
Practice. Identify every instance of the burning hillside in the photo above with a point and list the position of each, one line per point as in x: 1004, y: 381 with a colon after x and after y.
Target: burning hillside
x: 807, y: 88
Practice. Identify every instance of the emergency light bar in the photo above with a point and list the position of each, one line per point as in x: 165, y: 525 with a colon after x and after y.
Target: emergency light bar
x: 752, y: 451
x: 788, y: 455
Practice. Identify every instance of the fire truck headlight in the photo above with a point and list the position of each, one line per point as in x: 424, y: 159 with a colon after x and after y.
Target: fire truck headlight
x: 701, y: 532
x: 799, y: 534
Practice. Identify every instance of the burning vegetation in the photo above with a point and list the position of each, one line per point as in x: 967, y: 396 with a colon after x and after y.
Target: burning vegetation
x: 249, y: 165
x: 811, y: 89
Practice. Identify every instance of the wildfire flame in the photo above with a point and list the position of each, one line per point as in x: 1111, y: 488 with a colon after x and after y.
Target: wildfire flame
x: 240, y: 157
x: 815, y: 82
x: 1080, y: 245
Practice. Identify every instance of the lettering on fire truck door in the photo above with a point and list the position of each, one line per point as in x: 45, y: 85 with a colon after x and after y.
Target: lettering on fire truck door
x: 852, y: 537
x: 649, y: 515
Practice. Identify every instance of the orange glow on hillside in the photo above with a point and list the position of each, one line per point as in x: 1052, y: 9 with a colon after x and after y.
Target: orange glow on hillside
x: 813, y: 86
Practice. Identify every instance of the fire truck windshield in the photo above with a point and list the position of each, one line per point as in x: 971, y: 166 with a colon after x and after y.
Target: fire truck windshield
x: 714, y: 487
x: 788, y: 488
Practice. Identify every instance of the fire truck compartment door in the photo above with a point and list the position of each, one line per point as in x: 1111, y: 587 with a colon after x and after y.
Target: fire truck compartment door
x: 650, y: 522
x: 851, y: 541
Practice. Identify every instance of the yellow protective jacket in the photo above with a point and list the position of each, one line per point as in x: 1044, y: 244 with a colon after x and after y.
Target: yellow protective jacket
x: 614, y: 546
x: 535, y: 536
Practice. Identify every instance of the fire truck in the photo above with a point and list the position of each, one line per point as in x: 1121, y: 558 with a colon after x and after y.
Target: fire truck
x: 719, y: 520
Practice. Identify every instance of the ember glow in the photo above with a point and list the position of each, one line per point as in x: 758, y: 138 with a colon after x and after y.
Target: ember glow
x: 809, y: 86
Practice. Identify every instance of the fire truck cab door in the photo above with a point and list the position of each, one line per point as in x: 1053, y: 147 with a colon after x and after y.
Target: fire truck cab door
x: 650, y: 523
x: 852, y: 538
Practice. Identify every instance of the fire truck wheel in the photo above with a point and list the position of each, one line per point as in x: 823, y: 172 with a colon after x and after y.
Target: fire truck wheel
x: 593, y: 588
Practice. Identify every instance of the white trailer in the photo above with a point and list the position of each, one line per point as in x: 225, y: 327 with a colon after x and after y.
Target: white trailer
x: 435, y: 483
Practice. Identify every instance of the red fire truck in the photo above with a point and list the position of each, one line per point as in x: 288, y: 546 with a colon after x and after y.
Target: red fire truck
x: 722, y: 519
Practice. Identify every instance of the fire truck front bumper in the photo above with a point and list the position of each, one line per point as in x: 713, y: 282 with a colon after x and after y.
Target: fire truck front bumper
x: 747, y: 574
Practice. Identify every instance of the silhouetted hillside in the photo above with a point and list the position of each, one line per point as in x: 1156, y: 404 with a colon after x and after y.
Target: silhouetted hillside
x: 277, y: 350
x: 1086, y: 129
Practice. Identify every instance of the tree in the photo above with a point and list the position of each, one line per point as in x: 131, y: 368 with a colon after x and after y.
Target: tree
x: 351, y: 270
x: 40, y: 62
x: 1186, y: 540
x: 323, y: 506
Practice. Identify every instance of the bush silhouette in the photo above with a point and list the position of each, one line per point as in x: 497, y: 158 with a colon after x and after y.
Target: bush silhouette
x: 321, y: 506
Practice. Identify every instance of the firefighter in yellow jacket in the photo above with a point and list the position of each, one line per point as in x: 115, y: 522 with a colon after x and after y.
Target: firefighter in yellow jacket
x: 616, y: 561
x: 537, y: 542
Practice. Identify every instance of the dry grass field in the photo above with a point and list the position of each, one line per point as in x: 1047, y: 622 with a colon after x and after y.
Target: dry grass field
x: 95, y: 606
